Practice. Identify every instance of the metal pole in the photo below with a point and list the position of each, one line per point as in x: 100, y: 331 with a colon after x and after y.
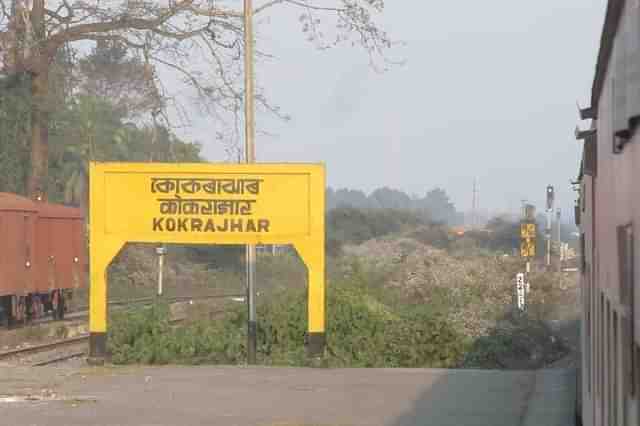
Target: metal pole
x: 249, y: 136
x: 473, y: 205
x: 550, y: 199
x: 559, y: 226
x: 160, y: 251
x: 548, y: 237
x: 160, y: 266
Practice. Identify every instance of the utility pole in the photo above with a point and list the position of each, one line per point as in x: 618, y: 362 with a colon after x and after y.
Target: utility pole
x: 250, y: 157
x: 474, y: 204
x: 559, y: 238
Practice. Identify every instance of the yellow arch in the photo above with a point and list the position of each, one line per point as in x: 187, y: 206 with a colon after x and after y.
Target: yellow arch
x: 236, y: 204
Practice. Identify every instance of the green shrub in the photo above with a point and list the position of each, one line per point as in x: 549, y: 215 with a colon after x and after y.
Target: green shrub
x: 518, y: 341
x: 147, y: 337
x: 362, y: 331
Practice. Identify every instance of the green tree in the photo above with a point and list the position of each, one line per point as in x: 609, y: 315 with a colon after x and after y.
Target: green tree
x: 15, y: 110
x: 388, y: 198
x: 437, y: 203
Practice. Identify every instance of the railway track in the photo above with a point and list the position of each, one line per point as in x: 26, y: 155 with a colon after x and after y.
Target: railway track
x: 52, y: 347
x: 173, y: 299
x: 83, y: 311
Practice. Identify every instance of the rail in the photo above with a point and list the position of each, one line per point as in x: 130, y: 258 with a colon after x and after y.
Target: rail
x: 43, y: 347
x: 148, y: 300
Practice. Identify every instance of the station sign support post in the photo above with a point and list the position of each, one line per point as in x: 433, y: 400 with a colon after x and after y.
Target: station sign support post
x: 249, y: 139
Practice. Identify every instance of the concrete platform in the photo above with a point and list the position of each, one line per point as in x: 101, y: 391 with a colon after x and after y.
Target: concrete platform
x: 230, y: 396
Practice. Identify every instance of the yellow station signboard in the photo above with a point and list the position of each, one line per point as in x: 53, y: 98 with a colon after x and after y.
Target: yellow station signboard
x: 528, y: 230
x: 528, y: 248
x: 528, y: 240
x: 205, y: 203
x: 223, y: 206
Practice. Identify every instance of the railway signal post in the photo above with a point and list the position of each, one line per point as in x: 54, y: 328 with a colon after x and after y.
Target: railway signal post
x: 550, y: 199
x: 527, y: 252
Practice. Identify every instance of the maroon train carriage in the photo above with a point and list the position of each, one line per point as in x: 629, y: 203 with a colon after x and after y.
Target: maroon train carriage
x: 18, y: 217
x: 42, y: 257
x: 60, y: 256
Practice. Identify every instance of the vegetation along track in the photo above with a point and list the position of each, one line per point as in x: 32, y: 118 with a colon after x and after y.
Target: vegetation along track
x: 74, y: 347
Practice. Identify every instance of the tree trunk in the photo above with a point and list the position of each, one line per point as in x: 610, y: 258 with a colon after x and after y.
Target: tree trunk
x: 37, y: 185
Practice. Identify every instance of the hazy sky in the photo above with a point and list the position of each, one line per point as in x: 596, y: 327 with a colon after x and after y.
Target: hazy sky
x: 488, y: 91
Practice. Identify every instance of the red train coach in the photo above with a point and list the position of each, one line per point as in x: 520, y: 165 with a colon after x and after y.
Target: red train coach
x: 60, y: 253
x: 42, y: 257
x: 18, y: 217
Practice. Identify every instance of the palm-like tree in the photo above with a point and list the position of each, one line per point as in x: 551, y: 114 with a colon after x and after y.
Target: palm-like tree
x: 96, y: 134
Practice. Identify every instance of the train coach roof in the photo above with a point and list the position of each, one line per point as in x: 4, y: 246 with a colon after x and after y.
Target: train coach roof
x: 615, y: 9
x: 13, y: 202
x: 57, y: 211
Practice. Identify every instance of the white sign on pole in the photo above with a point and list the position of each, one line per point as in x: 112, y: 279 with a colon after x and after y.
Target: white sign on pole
x: 520, y: 291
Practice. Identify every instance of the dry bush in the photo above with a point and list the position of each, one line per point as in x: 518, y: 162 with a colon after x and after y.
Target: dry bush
x: 475, y: 290
x: 554, y: 296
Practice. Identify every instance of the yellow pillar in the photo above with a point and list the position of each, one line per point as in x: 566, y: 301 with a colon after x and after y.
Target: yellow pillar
x: 312, y: 254
x: 102, y: 254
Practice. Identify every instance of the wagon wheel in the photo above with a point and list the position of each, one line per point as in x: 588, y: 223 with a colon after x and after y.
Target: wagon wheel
x: 5, y: 303
x: 37, y: 307
x: 19, y: 308
x: 54, y: 304
x: 23, y: 308
x: 29, y: 308
x: 61, y: 304
x: 58, y: 305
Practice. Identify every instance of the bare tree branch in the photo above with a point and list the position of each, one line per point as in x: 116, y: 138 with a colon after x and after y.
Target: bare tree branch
x: 201, y: 41
x: 299, y: 4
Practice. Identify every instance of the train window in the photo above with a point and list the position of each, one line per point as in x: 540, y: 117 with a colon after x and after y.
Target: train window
x: 601, y: 346
x: 590, y: 155
x: 587, y: 308
x: 583, y: 258
x: 608, y: 366
x: 625, y: 264
x: 636, y: 375
x: 627, y: 356
x: 626, y: 272
x: 621, y: 131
